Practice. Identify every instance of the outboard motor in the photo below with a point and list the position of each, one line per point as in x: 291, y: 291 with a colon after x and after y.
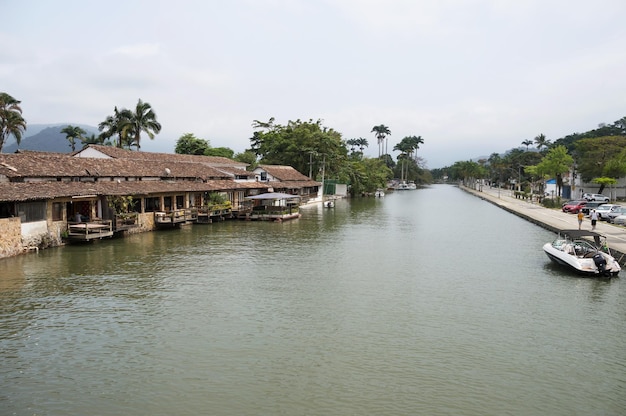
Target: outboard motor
x: 600, y: 262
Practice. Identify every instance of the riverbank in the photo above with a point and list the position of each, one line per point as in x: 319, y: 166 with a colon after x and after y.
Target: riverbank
x: 552, y: 219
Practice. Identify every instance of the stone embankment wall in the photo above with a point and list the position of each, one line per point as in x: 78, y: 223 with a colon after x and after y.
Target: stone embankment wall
x: 10, y: 237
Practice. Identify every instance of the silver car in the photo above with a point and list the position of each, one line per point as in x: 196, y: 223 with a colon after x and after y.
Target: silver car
x: 620, y: 210
x: 596, y: 197
x: 604, y: 210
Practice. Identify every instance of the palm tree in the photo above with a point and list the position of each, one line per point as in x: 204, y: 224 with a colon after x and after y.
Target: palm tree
x: 407, y: 147
x: 143, y: 119
x: 362, y: 143
x: 352, y: 143
x: 527, y: 143
x: 119, y: 124
x: 11, y: 120
x: 72, y: 133
x: 382, y: 132
x: 541, y: 141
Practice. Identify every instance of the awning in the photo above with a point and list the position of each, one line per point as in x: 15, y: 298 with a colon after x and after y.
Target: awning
x: 273, y: 195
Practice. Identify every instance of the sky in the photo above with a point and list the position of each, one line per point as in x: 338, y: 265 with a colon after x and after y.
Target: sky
x: 471, y: 77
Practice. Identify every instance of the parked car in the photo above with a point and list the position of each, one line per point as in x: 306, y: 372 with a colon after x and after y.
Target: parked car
x: 596, y: 197
x: 589, y: 206
x: 604, y: 209
x: 620, y: 210
x: 574, y: 206
x: 621, y: 220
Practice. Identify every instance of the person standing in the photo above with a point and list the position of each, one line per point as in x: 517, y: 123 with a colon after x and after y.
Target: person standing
x: 594, y: 219
x: 581, y: 215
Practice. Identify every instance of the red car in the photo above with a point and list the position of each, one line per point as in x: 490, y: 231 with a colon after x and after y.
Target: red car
x: 574, y: 206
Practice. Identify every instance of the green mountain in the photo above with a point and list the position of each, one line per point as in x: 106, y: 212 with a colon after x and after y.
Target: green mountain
x: 46, y: 138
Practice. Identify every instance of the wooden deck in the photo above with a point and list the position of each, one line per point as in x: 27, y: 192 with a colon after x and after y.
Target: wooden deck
x: 86, y: 231
x: 175, y: 218
x: 208, y: 215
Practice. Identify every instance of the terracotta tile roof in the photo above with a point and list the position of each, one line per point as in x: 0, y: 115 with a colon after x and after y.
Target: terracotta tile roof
x: 284, y: 173
x: 59, y: 165
x: 47, y: 190
x: 117, y: 153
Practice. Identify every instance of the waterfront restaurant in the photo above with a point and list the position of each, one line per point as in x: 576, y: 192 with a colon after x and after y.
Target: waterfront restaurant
x: 47, y: 199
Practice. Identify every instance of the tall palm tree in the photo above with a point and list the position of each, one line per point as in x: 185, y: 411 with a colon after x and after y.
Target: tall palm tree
x: 119, y: 124
x: 352, y: 143
x: 362, y: 143
x: 11, y: 120
x: 143, y: 119
x: 72, y: 133
x: 382, y: 132
x: 541, y: 141
x: 527, y: 143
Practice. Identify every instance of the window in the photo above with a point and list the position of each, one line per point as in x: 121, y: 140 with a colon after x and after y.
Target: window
x: 263, y: 176
x: 32, y: 211
x: 152, y: 204
x: 57, y: 211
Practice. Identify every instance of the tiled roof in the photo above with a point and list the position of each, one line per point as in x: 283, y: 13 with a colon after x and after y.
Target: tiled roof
x: 59, y: 165
x: 47, y: 190
x: 284, y: 173
x: 117, y: 153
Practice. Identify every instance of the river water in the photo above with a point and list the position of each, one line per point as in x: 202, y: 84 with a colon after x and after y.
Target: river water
x: 422, y: 302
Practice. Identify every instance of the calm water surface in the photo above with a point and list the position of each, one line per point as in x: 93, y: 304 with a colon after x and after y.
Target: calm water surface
x: 422, y: 302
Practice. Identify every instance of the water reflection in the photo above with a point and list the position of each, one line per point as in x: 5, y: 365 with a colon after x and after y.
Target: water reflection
x: 429, y: 302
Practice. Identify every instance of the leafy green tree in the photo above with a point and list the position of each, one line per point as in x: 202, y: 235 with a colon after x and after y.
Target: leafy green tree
x: 295, y: 143
x: 248, y: 157
x: 143, y: 119
x: 73, y: 133
x: 381, y: 131
x: 220, y: 151
x: 592, y: 154
x: 555, y: 163
x: 188, y: 144
x: 364, y: 175
x: 11, y: 121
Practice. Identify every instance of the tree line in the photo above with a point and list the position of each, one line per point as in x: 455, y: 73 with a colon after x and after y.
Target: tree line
x: 598, y: 155
x: 308, y: 146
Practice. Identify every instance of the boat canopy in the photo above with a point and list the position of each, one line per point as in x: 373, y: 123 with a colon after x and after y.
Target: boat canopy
x: 580, y: 233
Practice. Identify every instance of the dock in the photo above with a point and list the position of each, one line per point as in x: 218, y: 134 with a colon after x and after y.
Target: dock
x: 553, y: 219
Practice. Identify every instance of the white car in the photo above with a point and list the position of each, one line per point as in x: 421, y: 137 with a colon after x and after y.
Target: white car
x: 596, y: 197
x: 604, y: 209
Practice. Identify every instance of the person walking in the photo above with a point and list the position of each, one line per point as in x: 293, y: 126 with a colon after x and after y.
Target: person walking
x: 581, y: 215
x: 594, y: 219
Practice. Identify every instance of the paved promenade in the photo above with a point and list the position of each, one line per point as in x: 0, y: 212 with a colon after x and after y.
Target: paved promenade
x: 554, y: 219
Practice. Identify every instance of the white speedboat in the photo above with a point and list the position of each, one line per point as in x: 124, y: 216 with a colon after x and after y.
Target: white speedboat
x: 329, y: 204
x: 584, y: 252
x: 379, y: 193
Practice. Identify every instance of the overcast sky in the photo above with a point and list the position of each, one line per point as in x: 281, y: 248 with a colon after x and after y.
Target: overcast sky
x: 472, y: 77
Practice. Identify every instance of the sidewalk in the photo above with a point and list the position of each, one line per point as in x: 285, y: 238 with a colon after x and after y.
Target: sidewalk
x: 553, y: 219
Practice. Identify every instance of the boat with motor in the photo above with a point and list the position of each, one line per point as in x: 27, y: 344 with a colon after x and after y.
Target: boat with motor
x: 379, y: 193
x: 584, y: 252
x: 329, y: 204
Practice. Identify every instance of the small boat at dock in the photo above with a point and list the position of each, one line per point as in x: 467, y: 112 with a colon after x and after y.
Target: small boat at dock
x: 584, y: 252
